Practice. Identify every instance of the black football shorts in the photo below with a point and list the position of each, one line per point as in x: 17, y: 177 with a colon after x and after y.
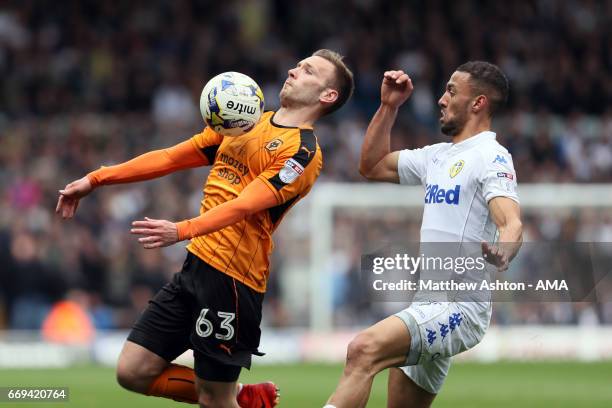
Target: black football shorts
x: 207, y: 311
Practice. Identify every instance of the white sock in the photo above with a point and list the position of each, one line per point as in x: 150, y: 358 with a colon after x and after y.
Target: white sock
x: 329, y: 406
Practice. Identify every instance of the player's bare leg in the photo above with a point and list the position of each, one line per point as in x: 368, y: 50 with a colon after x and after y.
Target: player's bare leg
x: 403, y: 392
x: 138, y: 367
x: 381, y: 346
x: 216, y: 394
x: 142, y: 371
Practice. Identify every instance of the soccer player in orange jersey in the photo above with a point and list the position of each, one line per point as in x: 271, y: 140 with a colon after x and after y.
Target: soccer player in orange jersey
x: 213, y: 305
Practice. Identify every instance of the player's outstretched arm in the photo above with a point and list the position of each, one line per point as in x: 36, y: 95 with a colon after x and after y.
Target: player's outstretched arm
x: 255, y: 197
x: 144, y: 167
x: 377, y: 161
x: 150, y: 165
x: 506, y: 214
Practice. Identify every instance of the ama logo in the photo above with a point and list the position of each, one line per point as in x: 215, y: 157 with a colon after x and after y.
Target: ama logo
x: 436, y: 195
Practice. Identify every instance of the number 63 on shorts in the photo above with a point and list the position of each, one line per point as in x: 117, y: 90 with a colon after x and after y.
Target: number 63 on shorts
x: 204, y: 327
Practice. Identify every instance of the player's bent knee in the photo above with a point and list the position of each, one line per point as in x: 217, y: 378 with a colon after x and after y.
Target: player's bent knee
x: 136, y: 377
x: 132, y: 379
x: 126, y: 378
x: 363, y: 352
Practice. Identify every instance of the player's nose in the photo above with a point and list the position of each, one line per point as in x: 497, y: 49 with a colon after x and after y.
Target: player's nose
x: 442, y: 102
x: 292, y: 73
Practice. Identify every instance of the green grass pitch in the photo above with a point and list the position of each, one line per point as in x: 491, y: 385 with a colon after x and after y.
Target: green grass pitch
x: 308, y: 385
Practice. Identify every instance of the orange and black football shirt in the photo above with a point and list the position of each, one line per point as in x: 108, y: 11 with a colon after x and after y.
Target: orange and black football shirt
x: 287, y: 159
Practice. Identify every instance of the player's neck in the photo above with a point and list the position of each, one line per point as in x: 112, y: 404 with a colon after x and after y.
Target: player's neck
x: 304, y: 116
x: 472, y: 129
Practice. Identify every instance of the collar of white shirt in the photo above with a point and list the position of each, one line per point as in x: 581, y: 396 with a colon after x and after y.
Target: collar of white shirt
x: 472, y: 141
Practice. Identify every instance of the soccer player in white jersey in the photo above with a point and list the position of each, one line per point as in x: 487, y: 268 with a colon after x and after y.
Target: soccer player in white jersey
x: 470, y: 194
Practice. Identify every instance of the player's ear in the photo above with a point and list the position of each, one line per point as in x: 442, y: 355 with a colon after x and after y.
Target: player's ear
x: 479, y: 103
x: 328, y: 96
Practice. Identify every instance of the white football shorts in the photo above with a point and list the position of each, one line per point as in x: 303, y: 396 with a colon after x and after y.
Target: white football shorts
x: 440, y: 330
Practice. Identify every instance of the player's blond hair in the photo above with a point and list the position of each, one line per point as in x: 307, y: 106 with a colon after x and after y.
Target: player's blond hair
x: 343, y: 81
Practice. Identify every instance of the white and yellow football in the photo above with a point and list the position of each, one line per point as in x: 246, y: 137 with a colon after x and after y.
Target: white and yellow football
x: 231, y: 103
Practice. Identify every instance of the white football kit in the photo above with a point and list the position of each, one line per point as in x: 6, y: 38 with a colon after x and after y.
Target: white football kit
x: 460, y: 179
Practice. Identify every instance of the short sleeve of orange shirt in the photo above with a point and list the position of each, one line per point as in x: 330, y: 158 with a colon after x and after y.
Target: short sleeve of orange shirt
x: 295, y: 168
x: 207, y: 143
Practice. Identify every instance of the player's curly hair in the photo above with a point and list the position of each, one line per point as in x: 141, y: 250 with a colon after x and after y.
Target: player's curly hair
x: 343, y: 81
x: 489, y: 80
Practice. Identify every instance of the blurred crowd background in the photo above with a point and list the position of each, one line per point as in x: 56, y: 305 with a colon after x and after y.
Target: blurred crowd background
x: 90, y: 83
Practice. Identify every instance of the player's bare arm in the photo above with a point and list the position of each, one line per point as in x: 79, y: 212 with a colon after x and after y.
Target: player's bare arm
x: 506, y: 214
x: 377, y: 161
x: 147, y: 166
x: 256, y: 197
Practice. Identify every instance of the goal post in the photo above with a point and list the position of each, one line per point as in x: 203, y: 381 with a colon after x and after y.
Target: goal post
x: 327, y: 198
